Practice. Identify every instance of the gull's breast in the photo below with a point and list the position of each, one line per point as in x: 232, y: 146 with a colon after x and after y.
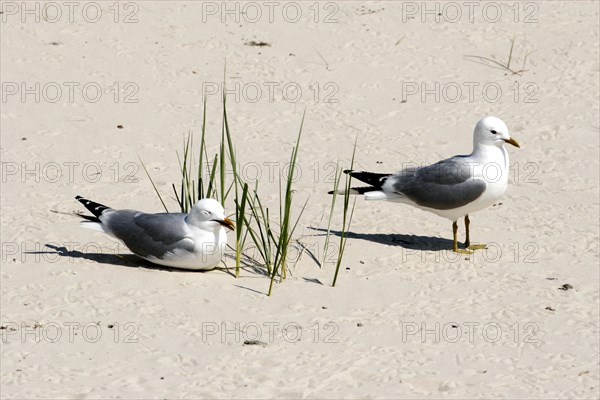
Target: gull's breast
x: 493, y: 170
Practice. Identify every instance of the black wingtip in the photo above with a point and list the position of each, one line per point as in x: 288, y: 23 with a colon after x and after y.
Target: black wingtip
x: 358, y: 190
x: 95, y: 208
x: 371, y: 178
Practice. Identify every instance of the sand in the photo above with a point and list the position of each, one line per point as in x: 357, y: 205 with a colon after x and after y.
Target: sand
x: 407, y: 319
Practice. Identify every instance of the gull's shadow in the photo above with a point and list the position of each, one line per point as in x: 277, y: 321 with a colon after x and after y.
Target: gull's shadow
x: 248, y: 264
x: 124, y: 260
x: 412, y: 242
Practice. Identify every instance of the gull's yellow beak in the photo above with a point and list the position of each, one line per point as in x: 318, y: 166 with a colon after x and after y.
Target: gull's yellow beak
x: 513, y: 142
x: 227, y: 223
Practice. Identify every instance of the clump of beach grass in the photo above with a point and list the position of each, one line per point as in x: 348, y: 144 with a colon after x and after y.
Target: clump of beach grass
x: 271, y: 236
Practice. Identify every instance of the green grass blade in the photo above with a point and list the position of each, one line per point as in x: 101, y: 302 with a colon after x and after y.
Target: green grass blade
x: 153, y: 185
x: 202, y: 153
x: 336, y: 184
x: 179, y: 201
x: 239, y: 220
x: 283, y: 241
x: 345, y: 220
x: 343, y: 239
x: 211, y: 182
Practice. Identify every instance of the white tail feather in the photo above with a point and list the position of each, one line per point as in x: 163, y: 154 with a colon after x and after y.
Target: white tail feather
x: 376, y: 195
x: 94, y: 226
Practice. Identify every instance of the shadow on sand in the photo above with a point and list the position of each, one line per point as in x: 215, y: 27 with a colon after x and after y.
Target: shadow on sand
x: 412, y: 242
x: 133, y: 261
x: 123, y: 260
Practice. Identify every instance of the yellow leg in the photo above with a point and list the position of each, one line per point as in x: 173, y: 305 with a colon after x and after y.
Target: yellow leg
x: 468, y: 245
x: 454, y: 234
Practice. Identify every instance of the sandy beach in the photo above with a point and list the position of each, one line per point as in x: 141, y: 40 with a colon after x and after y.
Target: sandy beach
x: 91, y: 88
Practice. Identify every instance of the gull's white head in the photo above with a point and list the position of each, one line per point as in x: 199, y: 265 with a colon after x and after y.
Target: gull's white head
x: 209, y: 213
x: 492, y: 131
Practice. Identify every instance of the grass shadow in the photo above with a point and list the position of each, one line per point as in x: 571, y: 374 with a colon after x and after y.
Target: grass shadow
x: 248, y: 264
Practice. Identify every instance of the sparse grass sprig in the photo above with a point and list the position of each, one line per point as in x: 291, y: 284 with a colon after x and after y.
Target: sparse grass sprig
x: 264, y: 238
x: 336, y: 184
x: 240, y: 206
x: 347, y: 219
x: 501, y: 65
x: 186, y: 200
x: 240, y: 218
x: 203, y: 154
x: 286, y: 229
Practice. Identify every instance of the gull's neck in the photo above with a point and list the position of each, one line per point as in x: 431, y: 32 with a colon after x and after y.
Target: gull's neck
x: 192, y: 219
x: 490, y: 153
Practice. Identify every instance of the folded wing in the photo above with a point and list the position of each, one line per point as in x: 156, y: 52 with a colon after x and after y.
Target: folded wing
x: 150, y: 234
x: 445, y: 185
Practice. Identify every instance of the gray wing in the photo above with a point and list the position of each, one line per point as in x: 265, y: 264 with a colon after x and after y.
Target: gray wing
x: 149, y: 234
x: 444, y: 185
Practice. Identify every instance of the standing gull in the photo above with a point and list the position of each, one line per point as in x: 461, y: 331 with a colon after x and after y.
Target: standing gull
x: 451, y: 188
x: 190, y: 241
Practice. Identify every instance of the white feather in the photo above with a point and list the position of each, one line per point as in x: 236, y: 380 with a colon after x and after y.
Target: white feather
x: 94, y: 226
x: 380, y: 195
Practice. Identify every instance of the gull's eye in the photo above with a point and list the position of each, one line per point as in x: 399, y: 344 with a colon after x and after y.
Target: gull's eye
x: 205, y: 212
x: 494, y: 131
